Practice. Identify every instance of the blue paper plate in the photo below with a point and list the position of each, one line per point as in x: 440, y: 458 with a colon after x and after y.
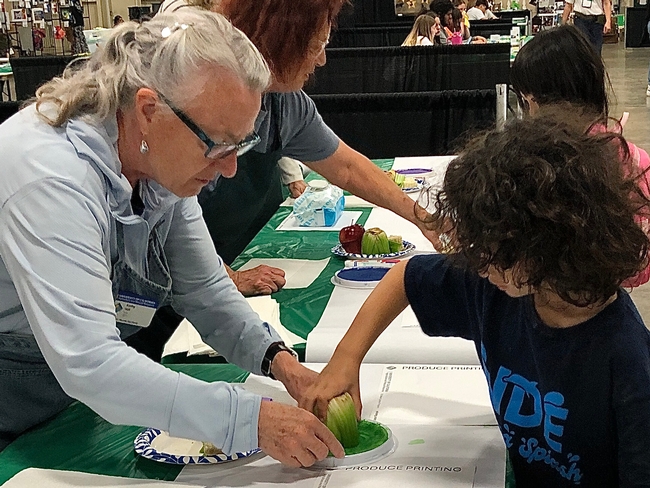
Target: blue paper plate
x: 339, y: 251
x: 363, y: 277
x: 159, y: 446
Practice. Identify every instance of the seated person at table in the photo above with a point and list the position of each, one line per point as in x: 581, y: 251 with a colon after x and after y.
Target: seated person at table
x: 100, y: 225
x: 445, y: 9
x: 545, y: 235
x: 560, y: 65
x: 462, y: 6
x: 480, y: 11
x: 425, y: 32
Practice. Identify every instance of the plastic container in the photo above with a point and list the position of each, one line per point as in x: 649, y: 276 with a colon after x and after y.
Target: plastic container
x: 320, y: 205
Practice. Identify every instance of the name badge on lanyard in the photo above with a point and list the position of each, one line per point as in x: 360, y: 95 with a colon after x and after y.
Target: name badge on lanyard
x: 134, y: 309
x: 586, y: 3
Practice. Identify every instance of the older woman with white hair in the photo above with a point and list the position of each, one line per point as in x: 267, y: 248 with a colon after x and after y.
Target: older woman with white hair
x: 100, y: 226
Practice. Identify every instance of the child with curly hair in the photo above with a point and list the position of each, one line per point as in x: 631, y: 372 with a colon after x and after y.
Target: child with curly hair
x: 543, y: 216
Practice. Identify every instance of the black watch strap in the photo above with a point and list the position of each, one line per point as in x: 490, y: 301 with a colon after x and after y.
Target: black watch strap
x: 271, y: 352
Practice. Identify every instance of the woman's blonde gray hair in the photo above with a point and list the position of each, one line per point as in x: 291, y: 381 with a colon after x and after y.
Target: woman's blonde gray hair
x: 164, y: 54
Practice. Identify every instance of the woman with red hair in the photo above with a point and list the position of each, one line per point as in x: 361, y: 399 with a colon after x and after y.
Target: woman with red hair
x: 292, y: 36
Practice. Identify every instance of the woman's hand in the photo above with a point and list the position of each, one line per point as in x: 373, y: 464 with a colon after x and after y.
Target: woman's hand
x: 335, y: 379
x: 294, y: 436
x: 296, y: 188
x: 260, y: 280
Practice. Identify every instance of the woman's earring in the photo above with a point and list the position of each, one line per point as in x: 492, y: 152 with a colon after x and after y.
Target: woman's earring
x: 144, y: 147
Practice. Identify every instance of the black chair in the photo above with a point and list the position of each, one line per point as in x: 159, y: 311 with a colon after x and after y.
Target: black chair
x: 412, y: 69
x: 31, y: 72
x: 7, y: 109
x: 385, y: 125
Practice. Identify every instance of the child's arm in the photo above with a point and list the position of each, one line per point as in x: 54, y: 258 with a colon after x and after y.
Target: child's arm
x: 341, y: 374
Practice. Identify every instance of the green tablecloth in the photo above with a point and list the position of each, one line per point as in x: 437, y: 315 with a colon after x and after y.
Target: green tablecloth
x: 79, y: 440
x: 300, y: 309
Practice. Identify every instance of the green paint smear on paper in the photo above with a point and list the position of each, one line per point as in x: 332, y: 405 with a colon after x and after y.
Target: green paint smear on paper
x: 371, y: 436
x: 416, y: 441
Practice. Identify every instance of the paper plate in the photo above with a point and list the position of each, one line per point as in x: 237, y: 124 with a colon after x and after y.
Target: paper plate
x: 372, y: 455
x: 339, y: 251
x: 415, y: 172
x: 414, y: 189
x: 159, y: 446
x: 363, y: 277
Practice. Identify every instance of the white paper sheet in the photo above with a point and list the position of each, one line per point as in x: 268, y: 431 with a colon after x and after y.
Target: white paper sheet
x: 441, y: 452
x: 431, y: 394
x: 49, y: 478
x: 348, y: 217
x: 393, y: 224
x: 409, y: 394
x: 351, y: 201
x: 299, y: 273
x: 402, y: 342
x: 438, y: 457
x: 187, y: 339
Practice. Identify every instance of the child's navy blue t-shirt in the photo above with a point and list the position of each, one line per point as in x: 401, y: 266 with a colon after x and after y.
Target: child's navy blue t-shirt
x: 573, y: 404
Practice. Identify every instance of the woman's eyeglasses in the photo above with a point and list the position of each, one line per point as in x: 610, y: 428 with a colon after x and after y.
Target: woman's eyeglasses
x: 215, y: 150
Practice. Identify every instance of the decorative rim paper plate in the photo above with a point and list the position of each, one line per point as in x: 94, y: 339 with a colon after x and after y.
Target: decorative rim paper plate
x: 339, y: 251
x: 415, y: 172
x: 159, y: 446
x: 414, y: 189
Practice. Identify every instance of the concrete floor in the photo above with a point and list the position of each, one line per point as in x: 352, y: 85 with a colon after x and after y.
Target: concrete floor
x: 628, y: 72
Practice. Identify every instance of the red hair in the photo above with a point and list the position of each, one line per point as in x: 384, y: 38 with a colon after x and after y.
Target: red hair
x: 282, y: 29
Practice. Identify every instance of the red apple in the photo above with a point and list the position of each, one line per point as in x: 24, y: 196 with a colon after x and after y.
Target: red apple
x: 350, y: 238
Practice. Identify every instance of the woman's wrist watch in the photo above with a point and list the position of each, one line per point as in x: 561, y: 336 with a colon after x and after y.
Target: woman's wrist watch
x: 270, y: 354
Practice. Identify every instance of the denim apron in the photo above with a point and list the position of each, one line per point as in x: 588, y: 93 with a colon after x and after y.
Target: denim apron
x: 237, y: 208
x: 29, y: 392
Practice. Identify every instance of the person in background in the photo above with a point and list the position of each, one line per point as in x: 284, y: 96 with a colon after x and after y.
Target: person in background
x: 480, y: 11
x: 545, y: 235
x: 117, y: 20
x: 560, y: 66
x: 457, y: 26
x: 444, y: 9
x: 462, y: 6
x: 77, y: 38
x: 425, y: 32
x: 592, y: 17
x: 100, y: 225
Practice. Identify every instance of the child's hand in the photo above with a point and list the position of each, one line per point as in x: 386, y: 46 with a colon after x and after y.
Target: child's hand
x: 333, y: 381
